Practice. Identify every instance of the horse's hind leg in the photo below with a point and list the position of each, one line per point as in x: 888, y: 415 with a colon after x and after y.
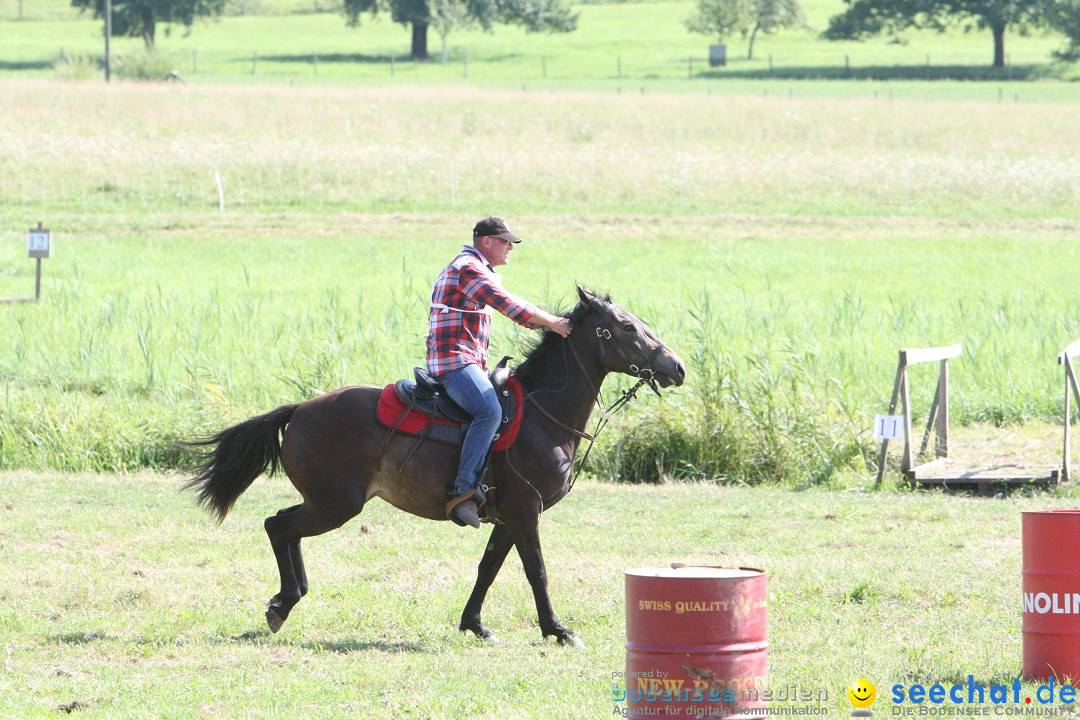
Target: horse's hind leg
x: 297, y: 558
x: 497, y: 549
x: 298, y: 568
x: 285, y: 531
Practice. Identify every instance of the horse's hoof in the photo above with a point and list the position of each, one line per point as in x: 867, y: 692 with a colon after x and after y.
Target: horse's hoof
x: 572, y: 641
x: 491, y: 639
x: 274, y: 620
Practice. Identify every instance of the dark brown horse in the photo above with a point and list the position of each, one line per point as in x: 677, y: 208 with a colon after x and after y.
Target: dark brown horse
x: 330, y: 449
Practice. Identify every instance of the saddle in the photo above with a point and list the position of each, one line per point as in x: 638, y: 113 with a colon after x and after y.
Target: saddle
x: 422, y: 408
x: 428, y: 396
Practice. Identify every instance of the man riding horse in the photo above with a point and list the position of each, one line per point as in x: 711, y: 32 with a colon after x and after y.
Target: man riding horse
x: 338, y: 454
x: 459, y: 323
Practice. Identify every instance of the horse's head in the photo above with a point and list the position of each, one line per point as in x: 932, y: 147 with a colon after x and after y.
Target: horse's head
x: 625, y: 345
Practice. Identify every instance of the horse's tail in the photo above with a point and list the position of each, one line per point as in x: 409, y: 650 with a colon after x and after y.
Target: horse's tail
x: 235, y: 457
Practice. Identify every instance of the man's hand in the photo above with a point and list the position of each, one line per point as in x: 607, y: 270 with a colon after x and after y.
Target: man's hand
x: 562, y: 326
x: 553, y: 322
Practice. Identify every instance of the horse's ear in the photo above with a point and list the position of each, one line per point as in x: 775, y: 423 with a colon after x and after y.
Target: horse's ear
x: 587, y: 297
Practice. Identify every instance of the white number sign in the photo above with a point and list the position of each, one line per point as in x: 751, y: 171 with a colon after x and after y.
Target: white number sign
x: 37, y: 242
x: 889, y: 427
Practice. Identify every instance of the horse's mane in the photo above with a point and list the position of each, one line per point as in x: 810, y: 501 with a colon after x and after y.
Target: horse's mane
x: 543, y: 353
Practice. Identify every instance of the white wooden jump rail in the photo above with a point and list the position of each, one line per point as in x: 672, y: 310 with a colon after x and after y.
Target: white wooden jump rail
x: 1065, y: 358
x: 931, y: 473
x: 939, y: 411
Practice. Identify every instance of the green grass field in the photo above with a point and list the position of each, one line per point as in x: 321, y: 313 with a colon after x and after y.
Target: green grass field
x: 786, y: 236
x: 624, y: 45
x: 129, y: 602
x: 786, y: 247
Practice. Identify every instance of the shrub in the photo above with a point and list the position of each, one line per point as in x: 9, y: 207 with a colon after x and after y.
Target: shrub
x: 76, y: 67
x: 146, y: 64
x: 762, y: 420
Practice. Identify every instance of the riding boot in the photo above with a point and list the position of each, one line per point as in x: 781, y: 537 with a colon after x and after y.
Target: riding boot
x: 462, y: 508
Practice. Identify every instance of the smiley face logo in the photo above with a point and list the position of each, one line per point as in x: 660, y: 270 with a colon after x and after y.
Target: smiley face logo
x: 862, y: 693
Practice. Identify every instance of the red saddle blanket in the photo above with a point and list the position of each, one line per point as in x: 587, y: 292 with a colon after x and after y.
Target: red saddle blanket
x: 391, y: 407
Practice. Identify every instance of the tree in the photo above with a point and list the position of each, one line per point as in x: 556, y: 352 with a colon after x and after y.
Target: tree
x: 772, y: 15
x: 721, y: 18
x: 139, y: 18
x: 446, y: 16
x: 533, y: 15
x: 864, y: 18
x: 1064, y: 16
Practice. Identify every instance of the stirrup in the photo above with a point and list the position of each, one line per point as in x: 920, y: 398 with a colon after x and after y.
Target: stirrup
x: 462, y: 502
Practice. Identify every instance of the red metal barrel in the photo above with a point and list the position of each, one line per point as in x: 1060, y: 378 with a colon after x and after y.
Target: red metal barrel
x: 1051, y: 593
x: 695, y: 641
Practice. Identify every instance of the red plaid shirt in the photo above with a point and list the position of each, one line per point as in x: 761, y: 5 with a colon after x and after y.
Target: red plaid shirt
x: 455, y: 338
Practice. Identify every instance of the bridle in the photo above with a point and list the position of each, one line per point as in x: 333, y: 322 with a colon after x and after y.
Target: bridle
x: 644, y: 372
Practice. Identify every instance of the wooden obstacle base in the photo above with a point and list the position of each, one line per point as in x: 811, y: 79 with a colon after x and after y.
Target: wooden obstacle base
x: 937, y: 473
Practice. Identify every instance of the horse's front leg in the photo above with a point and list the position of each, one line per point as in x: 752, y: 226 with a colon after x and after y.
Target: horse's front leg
x: 527, y: 539
x: 498, y: 547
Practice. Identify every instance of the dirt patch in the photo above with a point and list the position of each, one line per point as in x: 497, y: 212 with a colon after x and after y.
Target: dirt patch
x: 1033, y: 450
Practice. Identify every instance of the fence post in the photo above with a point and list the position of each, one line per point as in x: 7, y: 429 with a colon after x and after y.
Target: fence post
x: 220, y: 192
x: 682, y: 183
x: 254, y: 61
x: 315, y: 63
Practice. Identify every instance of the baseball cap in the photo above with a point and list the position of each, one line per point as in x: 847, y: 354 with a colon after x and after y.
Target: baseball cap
x: 496, y: 227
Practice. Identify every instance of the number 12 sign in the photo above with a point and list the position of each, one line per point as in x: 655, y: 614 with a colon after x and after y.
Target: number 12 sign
x: 37, y: 242
x: 889, y: 427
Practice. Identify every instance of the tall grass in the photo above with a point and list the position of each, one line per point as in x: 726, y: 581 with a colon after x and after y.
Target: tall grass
x: 147, y: 64
x: 74, y: 149
x: 787, y: 278
x: 78, y: 67
x: 767, y: 417
x: 151, y: 333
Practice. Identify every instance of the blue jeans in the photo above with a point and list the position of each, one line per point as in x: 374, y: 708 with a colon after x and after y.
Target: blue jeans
x: 470, y: 388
